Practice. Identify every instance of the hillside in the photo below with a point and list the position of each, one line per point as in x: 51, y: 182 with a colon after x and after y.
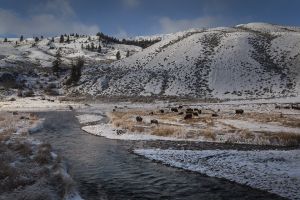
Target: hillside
x: 253, y: 60
x: 27, y: 65
x: 247, y: 61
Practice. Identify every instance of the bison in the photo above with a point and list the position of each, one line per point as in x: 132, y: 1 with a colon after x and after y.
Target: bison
x: 174, y: 109
x: 239, y: 111
x: 154, y: 121
x: 189, y: 110
x: 162, y: 111
x: 139, y: 119
x: 188, y: 116
x: 214, y: 115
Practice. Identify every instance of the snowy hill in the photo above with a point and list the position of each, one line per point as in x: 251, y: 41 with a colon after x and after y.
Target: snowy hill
x: 255, y: 60
x: 247, y: 61
x: 27, y: 64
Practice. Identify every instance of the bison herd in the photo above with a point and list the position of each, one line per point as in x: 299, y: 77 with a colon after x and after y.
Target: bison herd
x: 188, y: 113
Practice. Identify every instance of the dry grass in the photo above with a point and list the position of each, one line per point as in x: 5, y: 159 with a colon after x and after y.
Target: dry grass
x: 164, y: 130
x: 207, y: 127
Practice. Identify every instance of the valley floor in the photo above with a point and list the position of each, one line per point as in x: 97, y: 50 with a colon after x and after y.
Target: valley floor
x: 265, y: 124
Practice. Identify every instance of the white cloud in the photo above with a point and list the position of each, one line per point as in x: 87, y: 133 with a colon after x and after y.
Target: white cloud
x: 121, y: 33
x: 131, y: 3
x: 168, y: 25
x: 54, y: 17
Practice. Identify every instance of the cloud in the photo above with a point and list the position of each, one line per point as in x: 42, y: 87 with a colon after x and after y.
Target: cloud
x: 121, y: 33
x: 168, y: 25
x: 53, y: 18
x: 131, y: 3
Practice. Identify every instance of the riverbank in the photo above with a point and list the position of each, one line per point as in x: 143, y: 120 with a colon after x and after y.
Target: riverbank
x: 29, y: 169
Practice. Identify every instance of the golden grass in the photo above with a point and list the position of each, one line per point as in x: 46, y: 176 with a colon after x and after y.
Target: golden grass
x: 203, y: 125
x: 166, y: 131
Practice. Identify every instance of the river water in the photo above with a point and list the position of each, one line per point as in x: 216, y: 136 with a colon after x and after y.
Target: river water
x: 106, y: 169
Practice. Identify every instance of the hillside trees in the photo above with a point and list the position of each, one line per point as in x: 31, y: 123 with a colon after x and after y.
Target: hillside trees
x: 76, y: 71
x: 56, y: 63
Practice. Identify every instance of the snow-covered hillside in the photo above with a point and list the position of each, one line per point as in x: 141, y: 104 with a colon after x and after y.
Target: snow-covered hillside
x: 247, y: 61
x: 28, y: 64
x: 255, y: 60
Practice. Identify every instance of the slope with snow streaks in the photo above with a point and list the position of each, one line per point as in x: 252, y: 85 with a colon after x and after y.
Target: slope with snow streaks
x: 248, y: 61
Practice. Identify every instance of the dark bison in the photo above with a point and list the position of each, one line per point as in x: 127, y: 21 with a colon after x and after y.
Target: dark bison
x: 195, y: 114
x: 239, y: 111
x: 181, y: 113
x: 214, y: 115
x: 139, y: 119
x: 188, y: 116
x: 180, y: 107
x: 174, y: 109
x: 151, y: 113
x: 154, y: 121
x: 296, y: 106
x: 199, y: 111
x: 161, y: 111
x: 189, y: 110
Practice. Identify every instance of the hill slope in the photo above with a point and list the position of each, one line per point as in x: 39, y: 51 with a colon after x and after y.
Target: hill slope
x: 247, y: 61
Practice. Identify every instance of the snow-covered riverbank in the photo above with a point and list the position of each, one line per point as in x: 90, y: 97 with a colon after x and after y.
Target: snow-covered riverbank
x: 29, y: 169
x: 274, y: 171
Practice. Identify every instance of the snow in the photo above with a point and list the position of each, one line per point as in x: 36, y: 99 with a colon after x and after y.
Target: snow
x: 107, y: 131
x: 36, y: 104
x: 88, y: 118
x: 219, y: 63
x: 263, y: 127
x: 274, y: 171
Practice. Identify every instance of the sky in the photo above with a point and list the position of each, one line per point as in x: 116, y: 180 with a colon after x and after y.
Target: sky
x: 127, y: 18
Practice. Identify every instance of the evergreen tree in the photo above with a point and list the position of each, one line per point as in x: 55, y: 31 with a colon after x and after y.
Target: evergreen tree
x: 89, y: 38
x: 82, y: 46
x: 92, y: 46
x: 42, y: 37
x: 21, y: 38
x: 52, y: 39
x: 5, y: 40
x: 127, y: 54
x: 36, y: 39
x: 118, y: 55
x: 56, y: 63
x: 68, y: 39
x: 99, y: 49
x: 88, y: 47
x: 62, y: 39
x: 76, y: 71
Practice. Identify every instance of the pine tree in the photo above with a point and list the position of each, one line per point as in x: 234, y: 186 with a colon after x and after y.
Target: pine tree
x: 5, y: 40
x: 92, y: 46
x: 127, y: 54
x: 99, y: 49
x: 52, y: 39
x: 56, y: 63
x: 82, y: 46
x: 62, y: 39
x: 88, y: 47
x: 89, y: 38
x: 68, y: 39
x: 118, y: 55
x: 76, y: 71
x: 36, y: 39
x: 21, y: 38
x: 42, y: 37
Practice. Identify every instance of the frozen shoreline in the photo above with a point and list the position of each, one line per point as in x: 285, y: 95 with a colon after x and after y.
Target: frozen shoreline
x: 274, y: 171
